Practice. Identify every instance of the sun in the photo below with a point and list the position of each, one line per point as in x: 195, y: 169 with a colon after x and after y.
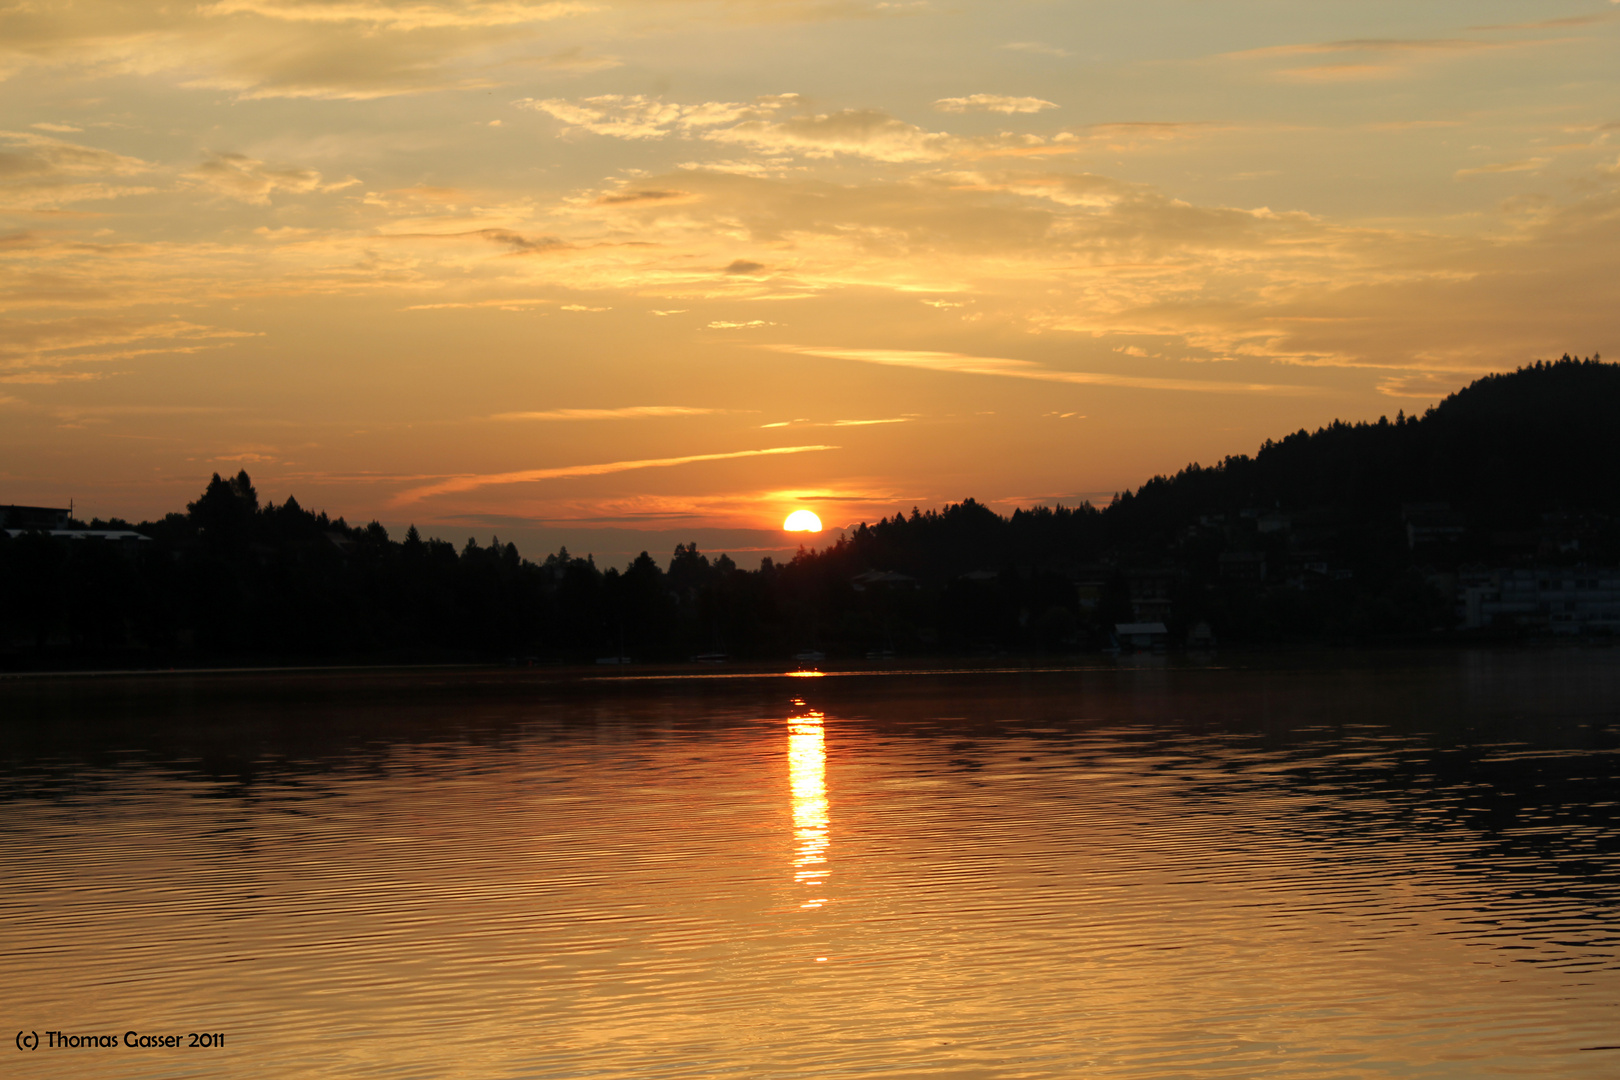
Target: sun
x: 802, y: 521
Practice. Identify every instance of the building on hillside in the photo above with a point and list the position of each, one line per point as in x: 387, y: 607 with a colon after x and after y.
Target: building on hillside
x: 1555, y: 600
x: 1142, y: 635
x: 1152, y: 592
x: 1243, y: 567
x: 15, y: 519
x: 54, y: 522
x: 1431, y: 523
x: 882, y: 579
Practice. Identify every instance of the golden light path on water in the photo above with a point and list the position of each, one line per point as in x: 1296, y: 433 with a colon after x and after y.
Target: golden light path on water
x: 807, y: 775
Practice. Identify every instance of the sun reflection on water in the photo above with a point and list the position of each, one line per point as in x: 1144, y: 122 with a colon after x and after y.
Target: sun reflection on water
x: 807, y: 774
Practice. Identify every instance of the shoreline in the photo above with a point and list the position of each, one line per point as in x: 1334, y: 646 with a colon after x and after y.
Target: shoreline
x: 561, y: 673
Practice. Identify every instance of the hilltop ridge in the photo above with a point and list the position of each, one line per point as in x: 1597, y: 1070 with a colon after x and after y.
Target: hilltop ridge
x: 1494, y: 513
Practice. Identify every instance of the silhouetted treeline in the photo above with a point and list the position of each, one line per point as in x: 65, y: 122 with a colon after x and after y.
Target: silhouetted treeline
x: 1354, y: 532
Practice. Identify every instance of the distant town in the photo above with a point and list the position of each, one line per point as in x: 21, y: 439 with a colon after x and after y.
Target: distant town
x: 1494, y: 517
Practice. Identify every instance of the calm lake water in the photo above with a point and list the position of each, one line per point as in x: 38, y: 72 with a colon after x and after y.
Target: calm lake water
x: 1391, y: 867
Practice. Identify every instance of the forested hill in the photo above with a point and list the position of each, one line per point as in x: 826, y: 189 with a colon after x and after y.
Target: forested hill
x: 1529, y: 452
x: 1355, y: 532
x: 1506, y: 450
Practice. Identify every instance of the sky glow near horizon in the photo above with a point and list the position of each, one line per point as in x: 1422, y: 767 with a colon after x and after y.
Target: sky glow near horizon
x: 656, y: 264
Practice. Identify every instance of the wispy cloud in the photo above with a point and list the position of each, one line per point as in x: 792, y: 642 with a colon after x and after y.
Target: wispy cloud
x: 998, y: 103
x: 518, y: 304
x: 420, y: 15
x: 1369, y: 45
x: 638, y: 116
x: 516, y: 243
x: 470, y: 483
x: 627, y: 412
x: 962, y: 364
x: 241, y: 177
x: 805, y: 422
x: 1527, y: 165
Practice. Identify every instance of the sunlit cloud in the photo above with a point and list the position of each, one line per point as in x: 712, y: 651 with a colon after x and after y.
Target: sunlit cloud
x: 997, y: 103
x: 470, y: 483
x: 569, y: 210
x: 418, y: 15
x: 1527, y: 165
x: 277, y: 48
x: 626, y: 412
x: 961, y: 364
x: 41, y: 173
x: 505, y: 304
x: 637, y: 116
x: 1374, y: 45
x: 240, y: 177
x: 53, y: 343
x: 805, y: 422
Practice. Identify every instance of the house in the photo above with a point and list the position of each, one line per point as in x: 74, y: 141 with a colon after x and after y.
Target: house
x: 1142, y: 635
x: 1151, y: 590
x: 54, y: 522
x: 15, y: 519
x: 1243, y: 567
x: 1558, y: 600
x: 1431, y: 523
x: 882, y: 579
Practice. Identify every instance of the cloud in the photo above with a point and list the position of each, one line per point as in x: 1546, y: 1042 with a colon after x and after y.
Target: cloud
x: 751, y: 324
x: 54, y: 343
x: 516, y: 243
x: 962, y: 364
x: 1425, y: 385
x: 343, y: 49
x: 248, y: 180
x: 770, y: 127
x: 1369, y: 45
x: 637, y: 116
x: 415, y: 15
x: 759, y: 125
x: 868, y: 133
x: 1548, y: 24
x: 39, y: 172
x: 627, y: 412
x: 1373, y: 58
x: 506, y: 304
x: 1527, y: 165
x: 643, y: 197
x: 993, y: 103
x: 38, y: 154
x: 806, y: 422
x: 744, y: 266
x: 469, y: 483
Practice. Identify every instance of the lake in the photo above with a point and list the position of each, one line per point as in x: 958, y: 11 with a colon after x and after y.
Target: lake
x: 1319, y: 866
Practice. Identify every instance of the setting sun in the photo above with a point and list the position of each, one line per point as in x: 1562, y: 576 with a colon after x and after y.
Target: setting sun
x: 802, y: 521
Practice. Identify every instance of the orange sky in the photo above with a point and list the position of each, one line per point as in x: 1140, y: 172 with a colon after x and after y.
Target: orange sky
x: 556, y: 270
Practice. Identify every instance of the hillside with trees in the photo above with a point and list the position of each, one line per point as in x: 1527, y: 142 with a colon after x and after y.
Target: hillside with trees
x: 1354, y: 533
